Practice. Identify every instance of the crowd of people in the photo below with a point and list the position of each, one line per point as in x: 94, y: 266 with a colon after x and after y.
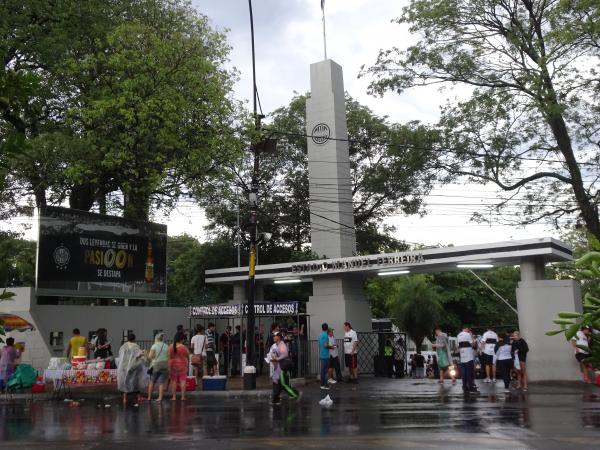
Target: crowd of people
x: 500, y: 354
x: 497, y: 353
x: 329, y: 355
x: 164, y: 367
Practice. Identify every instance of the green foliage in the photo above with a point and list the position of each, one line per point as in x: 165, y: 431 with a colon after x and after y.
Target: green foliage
x: 572, y: 322
x: 416, y: 308
x: 128, y: 97
x: 387, y: 175
x: 17, y: 261
x: 528, y: 121
x: 187, y: 260
x: 461, y: 296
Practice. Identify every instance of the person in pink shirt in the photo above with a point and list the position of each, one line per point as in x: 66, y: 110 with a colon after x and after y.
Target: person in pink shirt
x: 8, y: 361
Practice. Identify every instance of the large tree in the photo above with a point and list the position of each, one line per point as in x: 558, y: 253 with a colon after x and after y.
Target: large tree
x: 129, y: 98
x: 529, y: 123
x: 387, y: 176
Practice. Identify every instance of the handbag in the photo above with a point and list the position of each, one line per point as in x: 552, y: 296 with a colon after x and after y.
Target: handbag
x: 154, y: 363
x: 197, y: 358
x: 286, y: 364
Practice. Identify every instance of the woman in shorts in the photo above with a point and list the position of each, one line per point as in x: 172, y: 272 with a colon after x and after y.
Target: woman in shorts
x: 179, y: 357
x: 159, y: 365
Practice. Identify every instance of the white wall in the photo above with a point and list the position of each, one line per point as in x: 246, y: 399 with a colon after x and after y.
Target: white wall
x: 539, y: 302
x: 36, y: 351
x: 143, y: 320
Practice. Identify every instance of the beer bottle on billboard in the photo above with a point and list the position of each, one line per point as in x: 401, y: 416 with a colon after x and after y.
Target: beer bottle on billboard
x: 149, y: 266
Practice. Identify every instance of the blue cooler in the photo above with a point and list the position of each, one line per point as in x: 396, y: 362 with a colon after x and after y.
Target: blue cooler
x: 216, y: 383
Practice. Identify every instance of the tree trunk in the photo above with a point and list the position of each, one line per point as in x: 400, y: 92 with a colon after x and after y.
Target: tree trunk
x: 82, y: 197
x: 589, y: 211
x: 136, y: 205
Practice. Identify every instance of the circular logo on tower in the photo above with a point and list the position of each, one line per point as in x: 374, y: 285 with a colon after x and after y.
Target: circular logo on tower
x: 61, y: 256
x: 321, y: 133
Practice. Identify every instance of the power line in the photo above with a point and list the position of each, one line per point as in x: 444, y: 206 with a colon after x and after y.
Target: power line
x: 413, y: 147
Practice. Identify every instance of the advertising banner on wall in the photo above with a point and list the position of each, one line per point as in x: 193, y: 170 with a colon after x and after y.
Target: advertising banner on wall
x: 82, y: 254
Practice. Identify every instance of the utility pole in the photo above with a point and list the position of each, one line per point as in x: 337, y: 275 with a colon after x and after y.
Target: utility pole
x: 263, y: 145
x: 250, y: 378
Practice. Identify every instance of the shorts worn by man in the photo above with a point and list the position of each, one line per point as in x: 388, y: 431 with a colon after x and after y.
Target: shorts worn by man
x: 350, y: 351
x: 488, y: 344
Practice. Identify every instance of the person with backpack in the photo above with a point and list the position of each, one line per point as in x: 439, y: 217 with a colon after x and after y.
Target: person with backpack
x: 102, y: 347
x: 159, y: 366
x: 282, y: 366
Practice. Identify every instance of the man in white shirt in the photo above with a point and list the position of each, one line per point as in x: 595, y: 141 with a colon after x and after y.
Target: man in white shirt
x: 467, y: 366
x: 198, y: 352
x: 488, y: 343
x: 350, y: 351
x: 582, y: 338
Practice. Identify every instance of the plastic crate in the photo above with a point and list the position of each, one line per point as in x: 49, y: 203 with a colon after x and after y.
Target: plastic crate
x: 216, y: 383
x: 190, y: 384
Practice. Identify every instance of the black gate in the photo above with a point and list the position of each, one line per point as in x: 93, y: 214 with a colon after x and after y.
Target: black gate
x: 371, y: 359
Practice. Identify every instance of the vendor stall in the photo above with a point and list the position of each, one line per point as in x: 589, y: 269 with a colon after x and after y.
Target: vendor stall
x: 63, y: 376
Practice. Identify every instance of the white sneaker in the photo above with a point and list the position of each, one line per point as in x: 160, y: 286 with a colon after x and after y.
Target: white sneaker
x: 487, y: 380
x: 331, y: 381
x: 494, y: 380
x: 325, y: 388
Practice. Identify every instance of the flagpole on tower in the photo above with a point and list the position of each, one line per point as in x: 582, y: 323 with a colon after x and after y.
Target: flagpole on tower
x: 324, y: 36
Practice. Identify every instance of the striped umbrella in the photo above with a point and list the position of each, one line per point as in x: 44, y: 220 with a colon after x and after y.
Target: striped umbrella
x: 12, y: 322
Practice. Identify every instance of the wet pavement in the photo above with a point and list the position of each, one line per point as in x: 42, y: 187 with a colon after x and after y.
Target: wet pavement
x: 378, y: 413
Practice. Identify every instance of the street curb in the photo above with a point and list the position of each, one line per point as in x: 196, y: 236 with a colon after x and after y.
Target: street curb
x: 47, y: 396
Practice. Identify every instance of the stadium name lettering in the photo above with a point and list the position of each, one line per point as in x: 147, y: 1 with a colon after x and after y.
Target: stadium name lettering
x: 358, y: 263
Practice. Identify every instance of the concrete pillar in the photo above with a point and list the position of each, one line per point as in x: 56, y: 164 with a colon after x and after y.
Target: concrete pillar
x: 330, y: 186
x: 538, y: 303
x: 259, y: 291
x: 336, y: 300
x: 240, y: 294
x: 532, y: 269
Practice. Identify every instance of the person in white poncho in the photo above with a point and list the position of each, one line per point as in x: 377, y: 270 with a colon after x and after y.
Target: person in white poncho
x: 130, y: 372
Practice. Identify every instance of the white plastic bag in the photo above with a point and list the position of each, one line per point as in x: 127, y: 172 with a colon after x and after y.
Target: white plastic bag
x: 517, y: 363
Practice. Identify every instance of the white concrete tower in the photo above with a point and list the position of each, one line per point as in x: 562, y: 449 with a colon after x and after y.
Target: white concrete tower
x: 336, y: 298
x: 331, y: 212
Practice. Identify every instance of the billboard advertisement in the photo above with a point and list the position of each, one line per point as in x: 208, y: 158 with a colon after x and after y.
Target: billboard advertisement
x: 82, y: 254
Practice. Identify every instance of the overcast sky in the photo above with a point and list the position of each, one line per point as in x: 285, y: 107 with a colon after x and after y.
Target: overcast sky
x: 289, y: 37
